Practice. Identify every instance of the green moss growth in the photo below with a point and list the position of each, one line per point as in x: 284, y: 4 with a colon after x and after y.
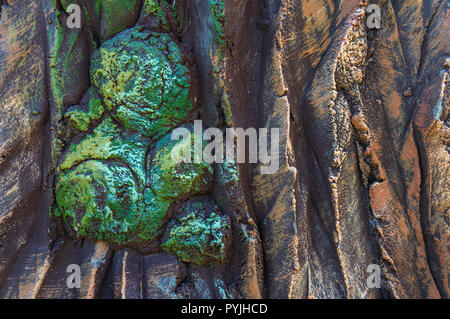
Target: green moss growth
x: 152, y: 9
x: 81, y: 119
x: 218, y: 14
x: 102, y: 184
x: 67, y: 58
x: 199, y: 235
x: 140, y: 93
x: 226, y: 107
x: 143, y: 82
x: 218, y: 18
x: 109, y: 142
x: 177, y: 181
x: 161, y: 16
x: 100, y: 189
x: 100, y: 201
x: 116, y: 15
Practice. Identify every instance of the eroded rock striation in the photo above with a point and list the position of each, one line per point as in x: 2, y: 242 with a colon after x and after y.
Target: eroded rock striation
x: 89, y: 177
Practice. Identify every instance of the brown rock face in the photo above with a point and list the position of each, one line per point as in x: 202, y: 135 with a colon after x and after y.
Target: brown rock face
x: 364, y: 164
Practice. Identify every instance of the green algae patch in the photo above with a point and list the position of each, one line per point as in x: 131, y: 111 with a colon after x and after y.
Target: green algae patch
x: 217, y: 16
x: 143, y: 82
x: 200, y: 234
x: 152, y: 7
x: 155, y: 217
x: 228, y: 173
x: 176, y: 180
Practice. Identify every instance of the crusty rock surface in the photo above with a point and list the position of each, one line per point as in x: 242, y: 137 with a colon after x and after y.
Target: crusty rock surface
x: 363, y: 149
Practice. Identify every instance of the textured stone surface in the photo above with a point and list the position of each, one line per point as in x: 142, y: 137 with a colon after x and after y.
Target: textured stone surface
x: 85, y: 122
x: 102, y: 192
x: 143, y: 81
x: 105, y: 18
x: 199, y: 234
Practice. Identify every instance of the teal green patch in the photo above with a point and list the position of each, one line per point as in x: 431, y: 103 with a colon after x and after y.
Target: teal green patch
x: 199, y: 235
x: 67, y: 53
x: 218, y: 18
x: 100, y: 188
x: 228, y: 173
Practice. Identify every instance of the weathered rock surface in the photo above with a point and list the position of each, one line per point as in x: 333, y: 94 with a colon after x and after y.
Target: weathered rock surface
x: 85, y: 122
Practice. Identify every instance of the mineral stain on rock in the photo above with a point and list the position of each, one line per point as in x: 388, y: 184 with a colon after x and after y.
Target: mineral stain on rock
x: 104, y: 190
